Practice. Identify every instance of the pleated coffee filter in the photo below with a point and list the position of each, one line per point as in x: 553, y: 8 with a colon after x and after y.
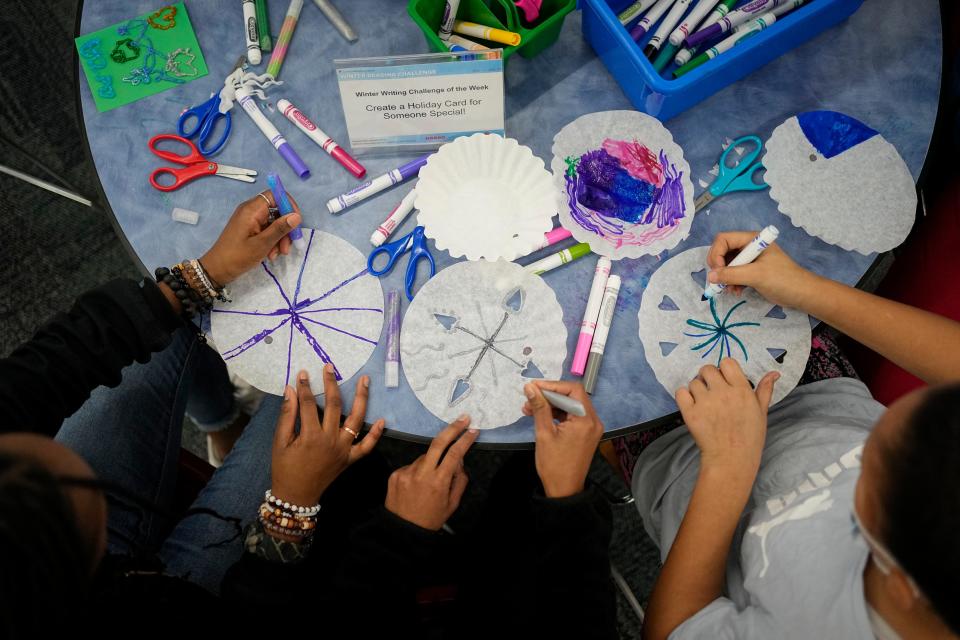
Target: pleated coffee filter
x: 485, y: 196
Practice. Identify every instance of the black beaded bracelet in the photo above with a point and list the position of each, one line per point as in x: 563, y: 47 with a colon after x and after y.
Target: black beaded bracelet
x: 190, y: 300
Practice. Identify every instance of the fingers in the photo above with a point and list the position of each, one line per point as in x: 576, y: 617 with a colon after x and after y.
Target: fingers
x: 443, y: 440
x: 359, y: 409
x: 684, y: 399
x: 726, y: 242
x: 567, y: 388
x: 540, y: 409
x: 309, y: 419
x: 765, y: 389
x: 332, y: 404
x: 453, y: 460
x: 369, y: 441
x: 287, y: 420
x: 743, y: 275
x: 697, y: 389
x: 277, y: 230
x: 711, y: 376
x: 732, y: 373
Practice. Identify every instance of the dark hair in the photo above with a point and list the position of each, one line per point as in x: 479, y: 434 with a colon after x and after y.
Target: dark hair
x: 921, y: 500
x: 44, y: 562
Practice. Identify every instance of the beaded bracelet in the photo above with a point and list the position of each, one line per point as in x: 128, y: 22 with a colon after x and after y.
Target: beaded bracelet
x: 276, y: 512
x: 213, y: 289
x: 190, y: 299
x: 287, y: 520
x: 297, y: 533
x: 274, y: 500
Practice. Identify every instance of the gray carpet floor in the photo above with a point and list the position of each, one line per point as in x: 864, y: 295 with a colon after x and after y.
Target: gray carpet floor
x: 54, y: 248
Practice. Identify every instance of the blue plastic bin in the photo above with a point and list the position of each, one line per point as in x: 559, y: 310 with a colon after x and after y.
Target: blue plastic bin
x: 664, y: 98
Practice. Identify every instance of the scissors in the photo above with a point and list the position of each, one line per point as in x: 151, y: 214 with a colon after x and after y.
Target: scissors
x: 414, y: 242
x: 735, y: 177
x: 207, y: 115
x: 196, y: 165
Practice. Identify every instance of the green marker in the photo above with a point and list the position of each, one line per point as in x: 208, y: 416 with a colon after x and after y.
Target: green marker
x: 557, y: 259
x: 666, y: 55
x: 739, y: 34
x: 263, y: 25
x: 719, y: 11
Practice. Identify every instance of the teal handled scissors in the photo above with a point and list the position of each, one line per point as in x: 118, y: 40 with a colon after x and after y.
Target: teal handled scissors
x: 736, y: 177
x: 414, y: 242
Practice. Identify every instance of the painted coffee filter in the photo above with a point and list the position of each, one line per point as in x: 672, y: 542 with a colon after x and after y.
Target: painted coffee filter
x: 485, y: 196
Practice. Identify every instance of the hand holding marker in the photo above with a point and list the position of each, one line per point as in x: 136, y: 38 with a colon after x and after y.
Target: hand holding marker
x: 285, y: 207
x: 747, y: 255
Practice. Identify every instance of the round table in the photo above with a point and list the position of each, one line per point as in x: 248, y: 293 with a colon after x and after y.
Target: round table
x: 881, y: 66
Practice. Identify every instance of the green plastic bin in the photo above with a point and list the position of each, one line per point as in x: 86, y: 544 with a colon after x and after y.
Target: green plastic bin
x: 500, y: 14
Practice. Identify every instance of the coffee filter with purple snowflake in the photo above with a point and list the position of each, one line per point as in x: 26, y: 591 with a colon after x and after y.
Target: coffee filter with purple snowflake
x: 622, y: 184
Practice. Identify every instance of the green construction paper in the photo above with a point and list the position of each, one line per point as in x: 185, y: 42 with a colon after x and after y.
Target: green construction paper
x: 105, y: 74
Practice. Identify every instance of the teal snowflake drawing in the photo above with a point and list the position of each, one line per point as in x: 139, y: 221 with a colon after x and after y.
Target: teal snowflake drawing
x: 719, y: 333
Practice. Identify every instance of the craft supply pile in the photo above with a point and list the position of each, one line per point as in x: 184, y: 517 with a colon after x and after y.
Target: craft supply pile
x: 616, y: 189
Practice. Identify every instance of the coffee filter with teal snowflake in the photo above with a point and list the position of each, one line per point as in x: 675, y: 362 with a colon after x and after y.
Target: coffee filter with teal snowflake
x: 681, y: 333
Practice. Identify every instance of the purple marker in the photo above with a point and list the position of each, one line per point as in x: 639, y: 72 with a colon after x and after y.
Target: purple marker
x: 376, y: 185
x: 267, y: 129
x: 391, y: 374
x: 731, y: 20
x: 285, y: 206
x: 655, y: 13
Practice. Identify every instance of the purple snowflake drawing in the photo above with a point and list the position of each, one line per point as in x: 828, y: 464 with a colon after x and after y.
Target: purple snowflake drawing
x: 300, y: 314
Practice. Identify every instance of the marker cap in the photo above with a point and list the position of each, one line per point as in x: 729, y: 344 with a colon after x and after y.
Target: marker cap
x: 580, y: 355
x: 391, y: 374
x: 579, y: 250
x: 351, y: 165
x: 592, y: 371
x: 298, y: 165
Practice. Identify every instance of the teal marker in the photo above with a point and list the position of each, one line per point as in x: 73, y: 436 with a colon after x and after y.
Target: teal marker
x: 739, y: 34
x: 663, y: 60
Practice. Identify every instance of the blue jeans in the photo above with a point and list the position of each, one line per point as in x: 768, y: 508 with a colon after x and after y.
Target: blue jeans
x: 130, y: 435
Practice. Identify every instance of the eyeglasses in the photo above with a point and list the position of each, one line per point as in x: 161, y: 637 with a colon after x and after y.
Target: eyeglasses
x: 880, y: 555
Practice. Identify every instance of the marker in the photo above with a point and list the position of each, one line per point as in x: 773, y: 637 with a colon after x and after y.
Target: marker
x: 607, y: 307
x: 336, y: 19
x: 728, y: 22
x: 467, y: 44
x: 738, y: 35
x: 326, y: 143
x: 590, y: 316
x: 391, y: 373
x: 267, y: 129
x: 691, y: 22
x: 283, y: 40
x: 375, y: 186
x: 486, y: 33
x: 285, y: 207
x: 718, y: 12
x: 250, y: 31
x: 656, y: 12
x: 449, y: 16
x: 551, y: 237
x: 564, y: 403
x: 627, y: 15
x: 558, y: 259
x: 263, y: 26
x: 666, y: 26
x: 395, y: 219
x: 747, y: 255
x: 665, y: 57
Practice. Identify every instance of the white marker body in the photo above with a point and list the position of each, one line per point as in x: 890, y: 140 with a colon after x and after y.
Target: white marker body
x: 395, y: 219
x: 673, y: 17
x: 250, y: 32
x: 747, y: 255
x: 627, y: 15
x: 266, y: 127
x: 692, y: 22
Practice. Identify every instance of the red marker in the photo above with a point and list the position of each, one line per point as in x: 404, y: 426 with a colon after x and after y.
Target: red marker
x: 326, y: 143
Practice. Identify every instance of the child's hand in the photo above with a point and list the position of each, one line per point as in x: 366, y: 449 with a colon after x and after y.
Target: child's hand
x: 774, y: 275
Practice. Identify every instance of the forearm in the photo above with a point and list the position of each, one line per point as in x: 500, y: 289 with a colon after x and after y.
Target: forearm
x: 693, y: 575
x: 923, y: 343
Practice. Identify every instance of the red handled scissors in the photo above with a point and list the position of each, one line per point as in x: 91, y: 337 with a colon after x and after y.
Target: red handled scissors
x: 196, y: 165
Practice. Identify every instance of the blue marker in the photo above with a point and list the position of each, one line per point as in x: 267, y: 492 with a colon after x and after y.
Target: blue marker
x: 747, y: 255
x: 285, y: 207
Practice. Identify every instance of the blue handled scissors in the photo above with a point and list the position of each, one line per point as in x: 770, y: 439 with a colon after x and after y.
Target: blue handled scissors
x: 207, y: 115
x: 736, y: 177
x: 414, y: 242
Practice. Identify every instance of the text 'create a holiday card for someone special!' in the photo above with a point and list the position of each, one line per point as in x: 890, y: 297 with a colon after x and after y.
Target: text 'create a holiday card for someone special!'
x: 421, y: 101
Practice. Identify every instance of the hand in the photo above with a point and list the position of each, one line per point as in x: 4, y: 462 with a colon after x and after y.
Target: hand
x: 774, y: 275
x: 564, y: 448
x: 248, y: 239
x: 727, y: 419
x: 428, y: 491
x: 305, y: 465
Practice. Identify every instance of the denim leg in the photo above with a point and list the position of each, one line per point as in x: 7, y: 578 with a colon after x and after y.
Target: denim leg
x: 202, y: 547
x: 211, y: 405
x: 130, y: 435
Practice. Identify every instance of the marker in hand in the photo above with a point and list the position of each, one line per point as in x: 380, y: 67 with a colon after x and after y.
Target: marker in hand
x: 564, y: 403
x: 285, y: 206
x: 747, y: 255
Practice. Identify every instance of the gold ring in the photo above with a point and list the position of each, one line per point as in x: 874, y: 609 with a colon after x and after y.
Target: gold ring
x: 351, y: 432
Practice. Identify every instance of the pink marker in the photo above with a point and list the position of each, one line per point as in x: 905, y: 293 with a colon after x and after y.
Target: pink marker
x: 326, y: 143
x: 549, y: 238
x: 395, y: 219
x: 590, y: 316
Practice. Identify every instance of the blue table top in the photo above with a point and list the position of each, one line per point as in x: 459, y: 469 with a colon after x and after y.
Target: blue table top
x: 881, y: 66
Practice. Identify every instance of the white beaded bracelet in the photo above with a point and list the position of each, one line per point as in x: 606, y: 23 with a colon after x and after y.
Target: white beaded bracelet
x: 304, y: 511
